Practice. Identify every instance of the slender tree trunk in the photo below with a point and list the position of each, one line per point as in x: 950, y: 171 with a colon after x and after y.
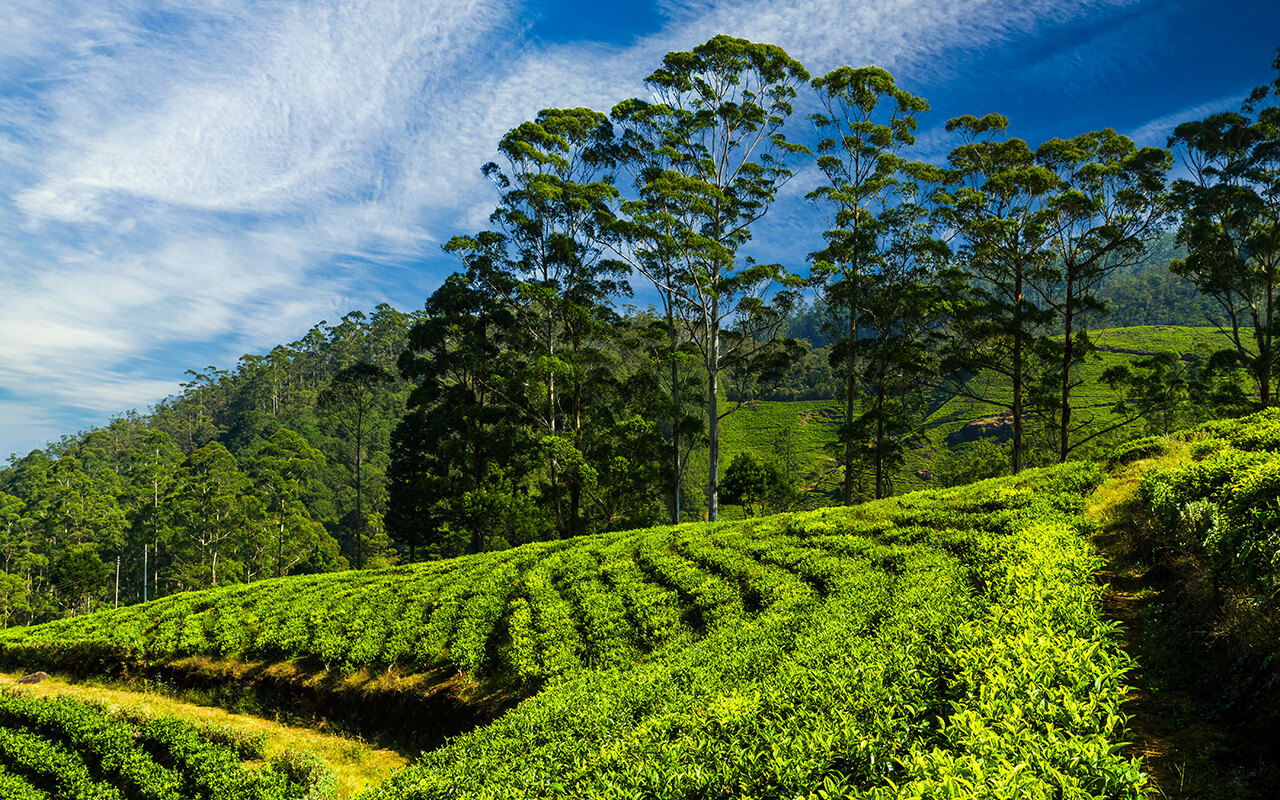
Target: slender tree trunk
x: 478, y: 470
x: 564, y: 526
x: 676, y: 478
x: 880, y: 439
x: 1064, y: 431
x: 713, y: 412
x: 1266, y: 353
x: 1017, y: 372
x: 359, y: 489
x: 849, y: 397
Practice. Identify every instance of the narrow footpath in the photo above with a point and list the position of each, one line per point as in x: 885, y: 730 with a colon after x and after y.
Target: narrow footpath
x: 1171, y: 707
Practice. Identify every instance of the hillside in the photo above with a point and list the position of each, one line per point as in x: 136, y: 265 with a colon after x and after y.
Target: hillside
x: 800, y: 432
x: 911, y: 643
x: 1093, y: 398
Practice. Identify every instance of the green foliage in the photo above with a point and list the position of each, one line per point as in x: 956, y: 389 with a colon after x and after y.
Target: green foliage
x: 759, y: 486
x: 839, y: 652
x: 1148, y: 447
x: 1229, y: 209
x: 75, y: 750
x: 974, y: 461
x: 708, y: 153
x: 876, y: 274
x: 1225, y: 505
x: 892, y: 648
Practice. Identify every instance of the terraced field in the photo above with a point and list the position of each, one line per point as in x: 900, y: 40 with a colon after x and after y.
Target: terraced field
x: 907, y: 648
x: 807, y: 427
x: 1092, y: 398
x: 63, y: 748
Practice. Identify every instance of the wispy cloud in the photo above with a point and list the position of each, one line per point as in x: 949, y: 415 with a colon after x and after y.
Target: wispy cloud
x: 1156, y: 132
x: 207, y: 175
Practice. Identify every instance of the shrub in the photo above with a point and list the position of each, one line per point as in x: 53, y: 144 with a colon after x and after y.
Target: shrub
x: 1127, y: 453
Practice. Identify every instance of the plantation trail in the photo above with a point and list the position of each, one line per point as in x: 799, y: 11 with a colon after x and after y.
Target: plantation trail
x: 357, y: 764
x: 1170, y: 714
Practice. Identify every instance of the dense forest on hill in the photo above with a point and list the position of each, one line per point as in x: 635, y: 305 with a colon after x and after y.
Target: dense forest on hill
x: 527, y: 401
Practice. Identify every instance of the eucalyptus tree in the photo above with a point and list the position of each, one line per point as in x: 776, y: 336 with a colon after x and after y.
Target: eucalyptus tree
x: 709, y: 156
x: 150, y: 474
x: 1109, y: 204
x: 209, y: 516
x: 556, y: 186
x: 15, y: 540
x: 869, y: 272
x: 998, y: 201
x: 901, y: 317
x: 353, y: 398
x: 281, y: 471
x: 72, y: 509
x: 1230, y: 222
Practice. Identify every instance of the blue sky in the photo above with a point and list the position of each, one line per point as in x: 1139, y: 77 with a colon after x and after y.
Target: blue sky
x: 185, y: 181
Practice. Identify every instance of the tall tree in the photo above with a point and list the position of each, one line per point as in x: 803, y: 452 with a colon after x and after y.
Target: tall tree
x: 15, y: 540
x: 866, y: 123
x: 900, y: 314
x: 556, y: 187
x: 150, y: 476
x: 1230, y: 222
x: 462, y: 455
x: 1110, y: 203
x: 281, y: 471
x: 712, y: 151
x: 353, y: 398
x: 210, y: 517
x: 998, y: 202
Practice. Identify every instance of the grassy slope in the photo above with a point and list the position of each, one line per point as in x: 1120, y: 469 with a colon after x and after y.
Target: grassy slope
x: 855, y: 649
x: 756, y: 428
x: 1092, y: 397
x: 1200, y: 608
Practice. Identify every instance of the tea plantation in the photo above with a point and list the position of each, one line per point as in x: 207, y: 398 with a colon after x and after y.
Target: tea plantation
x: 936, y: 644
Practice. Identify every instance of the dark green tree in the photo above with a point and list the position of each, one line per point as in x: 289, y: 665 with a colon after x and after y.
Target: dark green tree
x: 464, y: 455
x: 79, y: 577
x: 210, y: 518
x: 759, y: 485
x: 878, y: 272
x: 1109, y: 205
x: 149, y: 479
x: 1156, y: 388
x: 556, y: 189
x: 866, y: 123
x: 281, y: 471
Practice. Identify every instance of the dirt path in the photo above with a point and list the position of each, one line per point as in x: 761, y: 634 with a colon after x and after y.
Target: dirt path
x: 356, y: 763
x: 1171, y: 715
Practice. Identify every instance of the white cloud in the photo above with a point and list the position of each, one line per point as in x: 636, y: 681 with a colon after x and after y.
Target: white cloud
x: 1156, y: 132
x: 298, y: 108
x: 190, y: 174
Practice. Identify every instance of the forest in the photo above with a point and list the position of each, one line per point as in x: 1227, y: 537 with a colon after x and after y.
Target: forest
x: 531, y: 399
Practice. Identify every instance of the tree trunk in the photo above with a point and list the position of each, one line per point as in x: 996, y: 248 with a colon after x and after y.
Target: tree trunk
x: 359, y: 462
x: 849, y: 396
x: 1265, y: 353
x: 1016, y: 465
x: 880, y: 440
x: 1064, y: 431
x: 713, y: 413
x: 675, y: 422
